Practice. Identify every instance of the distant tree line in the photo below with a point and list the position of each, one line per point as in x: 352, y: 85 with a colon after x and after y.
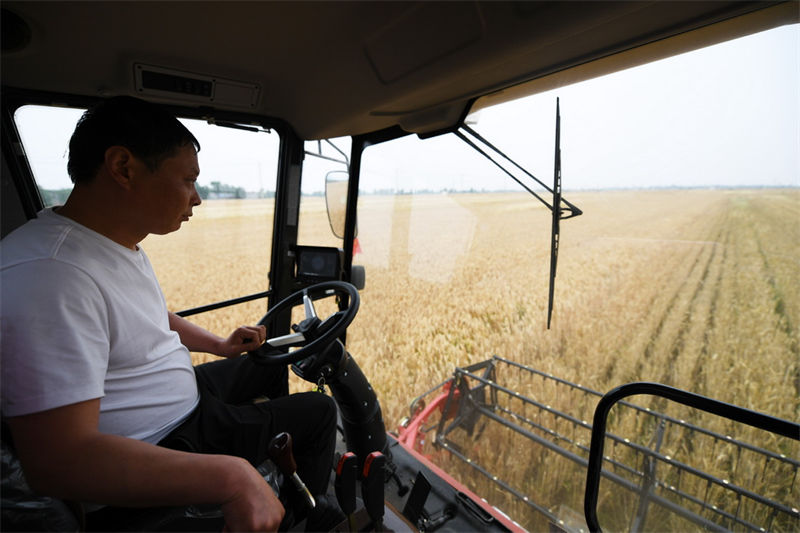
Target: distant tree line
x: 217, y: 190
x: 212, y: 191
x: 221, y: 190
x: 54, y: 196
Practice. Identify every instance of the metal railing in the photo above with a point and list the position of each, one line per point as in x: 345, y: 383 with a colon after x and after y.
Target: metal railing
x: 645, y: 470
x: 731, y: 412
x: 225, y: 303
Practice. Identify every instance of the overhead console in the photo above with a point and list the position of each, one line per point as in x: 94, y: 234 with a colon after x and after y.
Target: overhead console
x: 191, y: 87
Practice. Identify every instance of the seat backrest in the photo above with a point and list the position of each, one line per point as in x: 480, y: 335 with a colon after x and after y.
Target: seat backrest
x: 23, y: 509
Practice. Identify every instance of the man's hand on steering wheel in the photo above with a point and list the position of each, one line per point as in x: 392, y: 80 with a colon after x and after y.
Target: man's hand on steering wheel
x: 243, y: 339
x: 312, y: 335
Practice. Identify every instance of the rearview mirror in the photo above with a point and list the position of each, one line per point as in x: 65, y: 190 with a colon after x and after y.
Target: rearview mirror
x: 336, y: 183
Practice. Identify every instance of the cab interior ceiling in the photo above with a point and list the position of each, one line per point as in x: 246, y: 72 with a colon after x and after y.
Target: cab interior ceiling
x: 331, y: 69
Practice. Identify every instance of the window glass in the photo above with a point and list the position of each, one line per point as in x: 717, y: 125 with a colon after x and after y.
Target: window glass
x: 687, y: 173
x: 231, y: 231
x: 45, y: 133
x: 683, y: 269
x: 224, y: 251
x: 326, y: 161
x: 455, y: 255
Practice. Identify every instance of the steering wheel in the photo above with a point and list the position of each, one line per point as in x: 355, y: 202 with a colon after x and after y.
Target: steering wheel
x: 312, y: 335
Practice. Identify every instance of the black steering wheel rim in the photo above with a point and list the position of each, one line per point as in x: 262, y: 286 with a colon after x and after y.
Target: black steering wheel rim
x: 266, y: 353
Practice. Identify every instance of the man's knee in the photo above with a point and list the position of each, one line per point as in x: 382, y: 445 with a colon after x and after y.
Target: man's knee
x: 320, y: 413
x: 322, y: 406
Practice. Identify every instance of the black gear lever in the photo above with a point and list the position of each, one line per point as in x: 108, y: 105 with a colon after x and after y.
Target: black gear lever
x: 280, y: 451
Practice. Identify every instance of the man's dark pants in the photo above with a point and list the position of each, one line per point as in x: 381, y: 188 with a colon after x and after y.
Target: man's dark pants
x: 227, y: 421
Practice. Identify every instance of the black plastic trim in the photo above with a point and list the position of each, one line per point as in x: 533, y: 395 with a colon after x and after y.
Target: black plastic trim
x: 731, y: 412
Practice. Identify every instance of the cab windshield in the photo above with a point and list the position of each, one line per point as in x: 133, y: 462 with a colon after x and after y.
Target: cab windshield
x: 683, y: 269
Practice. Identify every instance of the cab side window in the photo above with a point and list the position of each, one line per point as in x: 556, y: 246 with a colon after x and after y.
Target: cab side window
x: 212, y: 257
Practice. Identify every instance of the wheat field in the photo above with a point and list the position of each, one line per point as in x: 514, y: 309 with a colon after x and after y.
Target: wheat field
x: 698, y: 289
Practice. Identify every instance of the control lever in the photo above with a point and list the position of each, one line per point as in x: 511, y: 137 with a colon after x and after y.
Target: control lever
x: 345, y: 486
x: 372, y: 488
x: 280, y: 451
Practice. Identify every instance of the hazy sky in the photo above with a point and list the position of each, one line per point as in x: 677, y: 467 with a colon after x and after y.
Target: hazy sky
x: 728, y: 114
x: 724, y: 115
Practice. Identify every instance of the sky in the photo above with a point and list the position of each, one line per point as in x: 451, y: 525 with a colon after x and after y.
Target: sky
x: 727, y: 115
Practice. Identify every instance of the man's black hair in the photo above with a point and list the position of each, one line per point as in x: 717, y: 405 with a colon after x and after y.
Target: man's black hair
x: 147, y: 130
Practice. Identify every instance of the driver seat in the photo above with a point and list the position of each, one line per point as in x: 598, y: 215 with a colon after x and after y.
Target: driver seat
x: 24, y: 510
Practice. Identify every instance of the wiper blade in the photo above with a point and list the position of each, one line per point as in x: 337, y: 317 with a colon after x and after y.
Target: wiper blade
x: 555, y: 228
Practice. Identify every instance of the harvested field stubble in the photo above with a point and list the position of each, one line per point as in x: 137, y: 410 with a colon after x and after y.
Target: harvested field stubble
x: 698, y: 289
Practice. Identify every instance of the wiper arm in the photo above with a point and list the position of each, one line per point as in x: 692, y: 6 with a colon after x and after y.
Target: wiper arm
x: 502, y: 161
x: 472, y: 138
x: 255, y: 128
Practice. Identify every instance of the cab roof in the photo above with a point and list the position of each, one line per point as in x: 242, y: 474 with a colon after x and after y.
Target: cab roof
x: 332, y: 69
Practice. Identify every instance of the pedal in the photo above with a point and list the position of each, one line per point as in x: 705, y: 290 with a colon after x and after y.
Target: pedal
x: 372, y: 483
x: 414, y: 509
x: 345, y: 486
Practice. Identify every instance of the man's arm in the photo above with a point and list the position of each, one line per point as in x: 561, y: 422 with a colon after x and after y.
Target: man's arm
x: 198, y: 339
x: 64, y: 455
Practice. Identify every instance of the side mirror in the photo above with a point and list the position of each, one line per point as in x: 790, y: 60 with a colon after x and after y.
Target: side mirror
x: 336, y: 183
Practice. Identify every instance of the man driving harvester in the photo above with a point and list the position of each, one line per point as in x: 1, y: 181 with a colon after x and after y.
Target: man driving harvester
x: 98, y: 388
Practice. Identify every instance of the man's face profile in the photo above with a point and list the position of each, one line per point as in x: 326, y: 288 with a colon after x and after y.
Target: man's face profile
x: 167, y: 195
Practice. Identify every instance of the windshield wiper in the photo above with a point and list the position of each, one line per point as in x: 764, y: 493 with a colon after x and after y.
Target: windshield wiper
x: 560, y: 208
x: 255, y: 128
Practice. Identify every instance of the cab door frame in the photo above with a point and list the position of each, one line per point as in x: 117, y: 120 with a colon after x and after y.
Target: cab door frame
x: 21, y: 199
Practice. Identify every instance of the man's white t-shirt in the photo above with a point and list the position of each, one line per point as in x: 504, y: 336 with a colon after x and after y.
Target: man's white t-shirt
x: 83, y: 317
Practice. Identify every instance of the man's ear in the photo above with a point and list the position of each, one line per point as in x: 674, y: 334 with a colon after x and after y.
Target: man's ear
x: 118, y: 163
